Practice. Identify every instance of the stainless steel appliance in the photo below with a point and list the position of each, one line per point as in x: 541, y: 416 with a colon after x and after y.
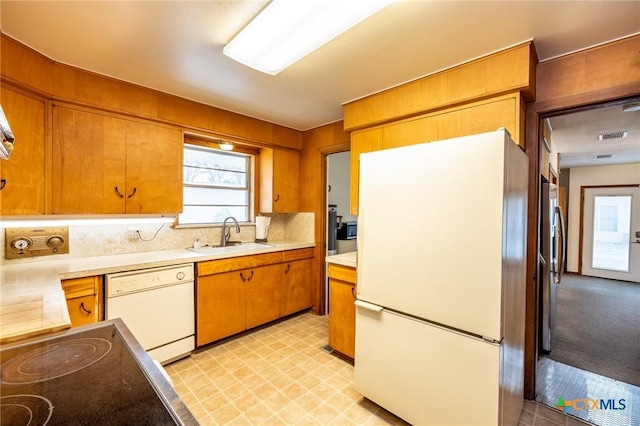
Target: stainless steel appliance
x: 332, y: 229
x: 552, y: 260
x: 440, y: 307
x: 157, y: 305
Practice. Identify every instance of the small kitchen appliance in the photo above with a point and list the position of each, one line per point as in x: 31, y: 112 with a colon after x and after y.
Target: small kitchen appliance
x: 348, y: 231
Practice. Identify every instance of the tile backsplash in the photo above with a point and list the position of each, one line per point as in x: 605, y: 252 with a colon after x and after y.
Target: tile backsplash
x: 101, y: 240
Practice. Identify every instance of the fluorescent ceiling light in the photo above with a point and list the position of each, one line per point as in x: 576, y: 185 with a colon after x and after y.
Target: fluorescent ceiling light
x: 288, y: 30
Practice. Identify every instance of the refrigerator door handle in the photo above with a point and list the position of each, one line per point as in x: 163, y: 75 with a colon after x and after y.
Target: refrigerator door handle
x: 368, y: 306
x: 563, y: 258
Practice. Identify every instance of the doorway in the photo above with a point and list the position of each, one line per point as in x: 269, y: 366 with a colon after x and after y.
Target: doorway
x: 337, y: 207
x: 597, y: 340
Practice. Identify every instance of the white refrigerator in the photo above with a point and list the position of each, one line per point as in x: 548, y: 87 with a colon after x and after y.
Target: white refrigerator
x: 441, y: 280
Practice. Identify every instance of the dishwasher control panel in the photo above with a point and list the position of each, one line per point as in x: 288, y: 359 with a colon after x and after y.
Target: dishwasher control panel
x: 146, y: 279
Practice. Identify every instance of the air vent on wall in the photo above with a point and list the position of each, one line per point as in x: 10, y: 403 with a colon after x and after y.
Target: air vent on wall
x: 602, y: 156
x: 612, y: 135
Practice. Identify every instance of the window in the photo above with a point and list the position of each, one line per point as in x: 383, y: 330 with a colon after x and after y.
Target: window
x: 217, y: 184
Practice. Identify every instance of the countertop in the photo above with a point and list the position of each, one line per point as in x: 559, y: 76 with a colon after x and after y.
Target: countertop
x: 344, y: 259
x: 32, y: 301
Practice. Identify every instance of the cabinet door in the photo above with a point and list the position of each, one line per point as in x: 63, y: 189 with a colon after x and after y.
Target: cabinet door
x: 83, y: 310
x: 412, y: 132
x: 84, y: 299
x: 342, y: 317
x: 264, y: 294
x: 481, y: 118
x: 220, y: 306
x: 297, y: 286
x: 22, y: 177
x: 286, y: 177
x: 89, y: 152
x: 279, y: 181
x: 154, y: 169
x: 367, y: 141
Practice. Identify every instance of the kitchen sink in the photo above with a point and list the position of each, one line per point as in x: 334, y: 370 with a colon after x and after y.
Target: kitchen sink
x: 232, y: 248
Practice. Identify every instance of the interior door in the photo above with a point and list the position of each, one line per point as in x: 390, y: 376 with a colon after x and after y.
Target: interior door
x: 611, y: 239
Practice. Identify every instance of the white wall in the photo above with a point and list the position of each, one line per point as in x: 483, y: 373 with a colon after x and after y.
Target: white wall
x: 592, y: 176
x: 339, y: 178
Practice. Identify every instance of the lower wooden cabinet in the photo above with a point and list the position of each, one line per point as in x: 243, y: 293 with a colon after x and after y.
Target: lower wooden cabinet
x: 84, y: 299
x: 264, y: 295
x: 342, y: 311
x: 297, y: 281
x: 237, y: 294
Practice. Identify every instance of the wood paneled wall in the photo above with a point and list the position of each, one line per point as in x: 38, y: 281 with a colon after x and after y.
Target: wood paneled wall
x: 26, y: 69
x: 317, y: 144
x: 602, y: 74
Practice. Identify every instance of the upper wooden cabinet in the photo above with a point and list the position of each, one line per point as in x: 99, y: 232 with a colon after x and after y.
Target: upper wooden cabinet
x: 22, y: 177
x: 478, y: 117
x: 510, y: 70
x: 107, y: 165
x: 361, y: 142
x: 279, y: 181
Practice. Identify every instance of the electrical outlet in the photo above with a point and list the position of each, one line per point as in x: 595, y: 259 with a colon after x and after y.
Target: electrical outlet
x: 133, y: 234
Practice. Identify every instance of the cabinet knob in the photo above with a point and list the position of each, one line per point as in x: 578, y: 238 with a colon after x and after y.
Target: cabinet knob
x: 286, y: 270
x: 133, y: 193
x: 3, y: 183
x: 277, y: 197
x: 118, y: 192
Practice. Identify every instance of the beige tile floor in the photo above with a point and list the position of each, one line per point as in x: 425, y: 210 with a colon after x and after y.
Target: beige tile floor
x: 279, y: 375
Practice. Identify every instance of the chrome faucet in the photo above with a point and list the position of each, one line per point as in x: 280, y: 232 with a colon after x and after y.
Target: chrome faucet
x: 226, y: 233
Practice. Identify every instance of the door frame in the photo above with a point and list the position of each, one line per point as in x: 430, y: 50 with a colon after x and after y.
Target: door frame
x: 582, y: 201
x: 324, y: 153
x: 536, y: 112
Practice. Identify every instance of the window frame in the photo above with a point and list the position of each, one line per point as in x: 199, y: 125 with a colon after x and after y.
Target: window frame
x: 251, y: 182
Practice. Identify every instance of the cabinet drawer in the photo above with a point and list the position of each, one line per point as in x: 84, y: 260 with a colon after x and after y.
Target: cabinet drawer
x: 79, y: 287
x: 342, y: 273
x: 236, y: 263
x: 305, y: 253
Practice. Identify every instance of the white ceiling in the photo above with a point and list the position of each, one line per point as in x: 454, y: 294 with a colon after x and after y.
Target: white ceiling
x: 176, y: 46
x: 575, y: 136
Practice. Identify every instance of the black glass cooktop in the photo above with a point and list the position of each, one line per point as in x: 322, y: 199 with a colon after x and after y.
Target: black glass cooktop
x: 92, y: 375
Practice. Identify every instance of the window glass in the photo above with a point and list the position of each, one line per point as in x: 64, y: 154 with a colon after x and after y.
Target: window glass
x: 216, y: 186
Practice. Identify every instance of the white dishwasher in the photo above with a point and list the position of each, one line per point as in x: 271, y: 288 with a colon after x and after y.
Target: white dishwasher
x: 157, y: 305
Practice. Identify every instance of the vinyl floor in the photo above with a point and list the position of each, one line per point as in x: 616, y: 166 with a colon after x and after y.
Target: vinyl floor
x: 280, y: 375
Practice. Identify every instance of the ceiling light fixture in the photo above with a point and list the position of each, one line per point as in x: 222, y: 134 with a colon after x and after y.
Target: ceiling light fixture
x: 288, y: 30
x: 226, y: 145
